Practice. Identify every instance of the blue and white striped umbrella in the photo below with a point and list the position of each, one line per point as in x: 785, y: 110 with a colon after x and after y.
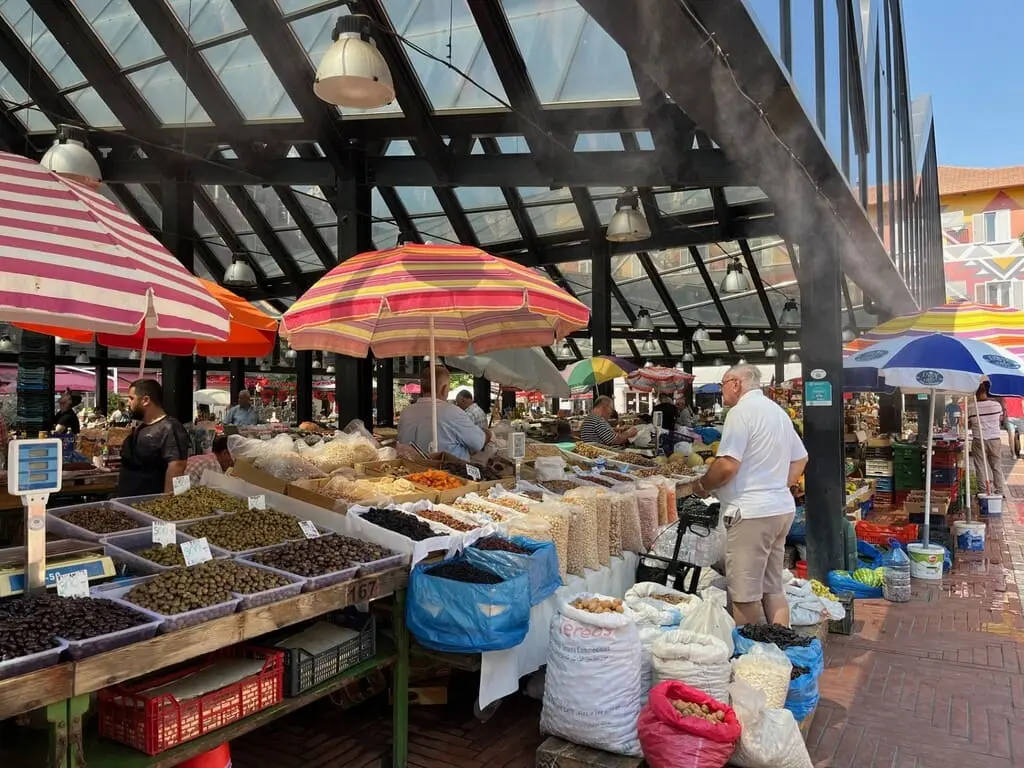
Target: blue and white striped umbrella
x: 936, y: 363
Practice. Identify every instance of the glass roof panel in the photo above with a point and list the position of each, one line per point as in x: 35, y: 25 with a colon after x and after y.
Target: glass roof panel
x: 737, y: 195
x: 776, y: 271
x: 543, y: 195
x: 314, y: 34
x: 435, y: 228
x: 207, y: 19
x: 512, y: 145
x: 598, y: 142
x: 249, y: 79
x: 258, y: 253
x: 227, y: 208
x: 419, y: 200
x: 93, y: 109
x: 496, y: 226
x: 548, y: 219
x: 165, y: 91
x: 12, y: 93
x: 220, y: 251
x: 147, y: 201
x: 447, y: 31
x: 199, y: 270
x: 385, y: 234
x: 378, y: 208
x: 684, y: 200
x: 293, y: 6
x: 638, y: 290
x: 202, y: 225
x: 645, y: 141
x: 121, y: 30
x: 313, y: 201
x: 298, y: 248
x: 44, y: 46
x: 568, y: 55
x: 480, y: 197
x: 34, y: 120
x: 399, y: 147
x: 620, y: 347
x: 330, y: 237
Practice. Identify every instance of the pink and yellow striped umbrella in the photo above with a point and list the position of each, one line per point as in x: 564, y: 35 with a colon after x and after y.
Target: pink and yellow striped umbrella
x: 1002, y: 326
x: 392, y: 301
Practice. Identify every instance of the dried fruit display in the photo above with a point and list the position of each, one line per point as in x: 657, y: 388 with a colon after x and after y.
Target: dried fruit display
x: 435, y: 479
x: 597, y: 605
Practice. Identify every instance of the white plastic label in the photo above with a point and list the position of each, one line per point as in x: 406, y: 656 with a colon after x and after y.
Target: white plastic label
x: 473, y: 472
x: 74, y: 584
x: 258, y: 502
x: 165, y: 533
x: 196, y: 551
x: 518, y: 446
x: 181, y: 484
x: 309, y: 529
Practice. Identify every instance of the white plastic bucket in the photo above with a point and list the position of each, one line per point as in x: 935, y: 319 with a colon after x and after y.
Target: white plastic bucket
x: 970, y: 537
x: 990, y: 506
x: 925, y: 561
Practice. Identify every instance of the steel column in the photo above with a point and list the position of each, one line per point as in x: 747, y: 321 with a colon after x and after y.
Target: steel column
x: 177, y: 202
x: 482, y: 393
x: 199, y: 364
x: 304, y: 386
x: 601, y: 309
x: 100, y: 357
x: 237, y: 377
x: 385, y: 392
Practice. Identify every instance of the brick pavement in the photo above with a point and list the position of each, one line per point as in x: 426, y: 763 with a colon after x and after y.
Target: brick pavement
x: 934, y: 683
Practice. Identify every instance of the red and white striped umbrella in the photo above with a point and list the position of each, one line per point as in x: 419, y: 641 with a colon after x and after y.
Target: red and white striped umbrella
x: 71, y: 258
x: 658, y: 378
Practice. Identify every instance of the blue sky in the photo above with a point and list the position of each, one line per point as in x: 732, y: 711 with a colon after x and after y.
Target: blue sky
x: 968, y: 57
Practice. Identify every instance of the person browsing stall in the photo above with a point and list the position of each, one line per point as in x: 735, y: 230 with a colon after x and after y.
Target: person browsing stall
x: 759, y: 458
x: 218, y: 461
x: 156, y: 451
x: 456, y: 432
x: 67, y: 419
x: 242, y: 414
x: 596, y: 429
x: 669, y: 411
x: 984, y: 419
x: 465, y: 401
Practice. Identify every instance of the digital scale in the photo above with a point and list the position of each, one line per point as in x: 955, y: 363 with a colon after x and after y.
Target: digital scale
x: 34, y: 471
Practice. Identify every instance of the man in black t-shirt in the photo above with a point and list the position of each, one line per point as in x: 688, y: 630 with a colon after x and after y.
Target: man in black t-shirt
x: 157, y: 449
x: 669, y: 412
x: 66, y: 419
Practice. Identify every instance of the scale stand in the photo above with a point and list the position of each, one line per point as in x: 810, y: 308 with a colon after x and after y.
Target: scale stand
x: 517, y: 452
x: 34, y: 471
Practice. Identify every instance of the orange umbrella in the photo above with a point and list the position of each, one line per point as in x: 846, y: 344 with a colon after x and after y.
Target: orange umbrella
x: 252, y: 332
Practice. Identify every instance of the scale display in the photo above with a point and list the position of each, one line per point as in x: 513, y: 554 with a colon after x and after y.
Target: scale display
x: 34, y: 466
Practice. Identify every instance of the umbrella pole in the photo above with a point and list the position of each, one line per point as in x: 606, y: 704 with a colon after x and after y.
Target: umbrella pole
x: 984, y: 453
x: 142, y: 356
x: 928, y: 470
x: 433, y: 389
x: 967, y: 464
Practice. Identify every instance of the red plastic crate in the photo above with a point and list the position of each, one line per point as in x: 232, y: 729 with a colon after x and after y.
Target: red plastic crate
x: 800, y: 569
x: 879, y: 535
x: 883, y: 498
x: 156, y: 723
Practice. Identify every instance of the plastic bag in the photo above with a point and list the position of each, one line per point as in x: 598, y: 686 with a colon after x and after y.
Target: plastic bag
x: 540, y: 566
x: 598, y: 500
x: 811, y: 656
x: 842, y: 581
x: 644, y: 600
x: 345, y: 450
x: 559, y: 520
x: 700, y: 546
x: 767, y: 669
x: 769, y: 738
x: 592, y: 690
x: 798, y: 530
x: 356, y: 427
x: 619, y: 502
x: 632, y: 540
x: 805, y: 607
x: 803, y: 696
x: 711, y: 618
x: 288, y: 467
x: 458, y: 617
x: 673, y: 740
x: 582, y: 549
x: 549, y: 468
x: 701, y: 661
x: 709, y: 577
x: 647, y: 509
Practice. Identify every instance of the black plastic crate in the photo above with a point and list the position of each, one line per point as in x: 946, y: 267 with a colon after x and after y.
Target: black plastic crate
x: 843, y: 626
x: 303, y: 670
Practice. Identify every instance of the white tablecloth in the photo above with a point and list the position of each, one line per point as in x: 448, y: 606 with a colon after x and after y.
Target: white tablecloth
x: 500, y: 670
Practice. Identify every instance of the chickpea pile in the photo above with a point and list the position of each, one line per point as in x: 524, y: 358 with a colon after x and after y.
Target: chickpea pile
x: 597, y: 605
x: 703, y: 711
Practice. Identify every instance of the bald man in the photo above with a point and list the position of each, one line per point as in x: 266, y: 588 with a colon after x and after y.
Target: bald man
x: 242, y: 414
x: 456, y: 432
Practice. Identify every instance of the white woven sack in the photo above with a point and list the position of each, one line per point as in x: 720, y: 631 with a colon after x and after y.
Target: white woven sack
x: 701, y: 661
x: 770, y: 737
x: 642, y: 600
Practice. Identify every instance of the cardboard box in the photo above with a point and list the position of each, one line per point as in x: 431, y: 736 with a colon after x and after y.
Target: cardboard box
x: 917, y: 508
x: 245, y: 470
x: 447, y: 497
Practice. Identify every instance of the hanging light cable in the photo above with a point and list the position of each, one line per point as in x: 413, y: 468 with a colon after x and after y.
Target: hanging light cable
x: 352, y: 72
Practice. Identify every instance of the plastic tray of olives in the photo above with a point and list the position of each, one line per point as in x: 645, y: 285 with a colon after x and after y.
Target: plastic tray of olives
x: 56, y: 524
x: 365, y: 569
x: 22, y: 665
x: 117, y: 590
x: 90, y: 646
x: 133, y: 502
x: 310, y: 583
x: 184, y: 528
x: 125, y: 548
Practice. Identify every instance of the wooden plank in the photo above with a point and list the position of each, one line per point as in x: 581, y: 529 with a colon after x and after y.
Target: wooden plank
x: 164, y: 650
x: 35, y: 689
x: 556, y: 753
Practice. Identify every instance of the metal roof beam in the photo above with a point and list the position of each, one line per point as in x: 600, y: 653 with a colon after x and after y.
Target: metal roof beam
x: 698, y: 261
x: 23, y: 66
x: 231, y: 238
x: 755, y: 278
x: 262, y: 229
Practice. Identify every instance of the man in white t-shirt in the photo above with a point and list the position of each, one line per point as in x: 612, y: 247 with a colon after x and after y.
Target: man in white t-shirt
x: 985, y: 420
x: 759, y: 458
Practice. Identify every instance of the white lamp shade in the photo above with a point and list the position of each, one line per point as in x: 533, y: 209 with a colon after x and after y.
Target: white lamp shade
x: 330, y: 370
x: 717, y: 361
x: 240, y: 275
x: 317, y: 364
x: 628, y: 224
x: 6, y: 345
x: 735, y: 281
x: 647, y: 347
x: 741, y: 361
x: 353, y: 73
x: 741, y: 338
x: 793, y: 358
x: 687, y: 357
x: 790, y: 313
x: 69, y: 157
x: 771, y: 351
x: 701, y: 335
x: 848, y: 335
x: 291, y: 354
x: 134, y: 355
x: 82, y: 358
x: 643, y: 321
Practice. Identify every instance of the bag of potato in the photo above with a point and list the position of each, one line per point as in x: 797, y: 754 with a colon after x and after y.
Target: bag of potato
x: 700, y: 661
x: 681, y: 727
x: 592, y: 689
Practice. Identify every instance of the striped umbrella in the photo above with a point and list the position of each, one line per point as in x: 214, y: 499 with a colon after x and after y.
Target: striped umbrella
x: 71, y: 258
x: 659, y: 378
x: 1002, y: 326
x: 597, y: 370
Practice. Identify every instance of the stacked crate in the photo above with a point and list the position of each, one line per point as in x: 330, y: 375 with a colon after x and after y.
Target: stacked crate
x: 878, y: 467
x: 908, y: 471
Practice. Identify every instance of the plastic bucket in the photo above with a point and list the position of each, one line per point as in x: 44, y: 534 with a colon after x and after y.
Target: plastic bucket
x: 218, y: 757
x: 970, y: 537
x: 990, y: 506
x: 925, y: 561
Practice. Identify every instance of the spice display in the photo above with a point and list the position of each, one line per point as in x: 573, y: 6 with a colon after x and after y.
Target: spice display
x: 478, y: 507
x: 101, y: 518
x: 590, y: 451
x: 619, y: 503
x: 247, y: 530
x: 438, y: 516
x: 703, y: 711
x: 784, y: 637
x: 821, y: 590
x: 530, y: 526
x: 461, y: 571
x: 288, y: 467
x: 489, y: 471
x: 559, y: 486
x: 400, y: 522
x: 503, y: 545
x: 316, y: 557
x: 31, y: 624
x: 365, y: 488
x: 597, y: 605
x: 163, y: 554
x: 344, y: 451
x: 601, y: 503
x: 203, y: 585
x: 628, y: 457
x: 195, y: 502
x: 646, y: 472
x: 537, y: 450
x: 766, y: 670
x: 532, y: 495
x: 798, y: 672
x: 392, y: 469
x: 596, y: 479
x: 435, y: 479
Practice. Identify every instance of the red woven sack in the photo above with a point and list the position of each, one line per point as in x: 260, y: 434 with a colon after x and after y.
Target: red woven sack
x: 671, y: 740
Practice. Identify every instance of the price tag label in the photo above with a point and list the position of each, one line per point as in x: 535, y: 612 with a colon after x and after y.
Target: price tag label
x: 473, y: 473
x: 165, y: 533
x: 181, y: 484
x: 518, y: 446
x: 309, y: 529
x: 258, y: 502
x: 196, y: 551
x: 74, y: 584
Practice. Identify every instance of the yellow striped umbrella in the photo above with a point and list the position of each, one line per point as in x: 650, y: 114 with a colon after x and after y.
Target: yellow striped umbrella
x: 1002, y: 326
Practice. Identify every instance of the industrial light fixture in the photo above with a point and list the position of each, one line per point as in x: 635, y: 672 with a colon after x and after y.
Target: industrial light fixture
x: 701, y: 335
x: 771, y: 352
x: 647, y: 347
x: 239, y: 274
x: 790, y: 313
x: 741, y: 361
x: 352, y: 72
x: 687, y: 357
x: 741, y: 338
x: 648, y: 364
x: 69, y: 157
x: 317, y: 365
x: 793, y: 358
x: 734, y: 281
x: 717, y: 361
x: 330, y: 370
x: 628, y: 224
x: 643, y: 321
x: 6, y: 345
x: 564, y: 350
x: 134, y: 355
x: 264, y: 366
x: 291, y: 354
x: 82, y: 358
x: 848, y: 334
